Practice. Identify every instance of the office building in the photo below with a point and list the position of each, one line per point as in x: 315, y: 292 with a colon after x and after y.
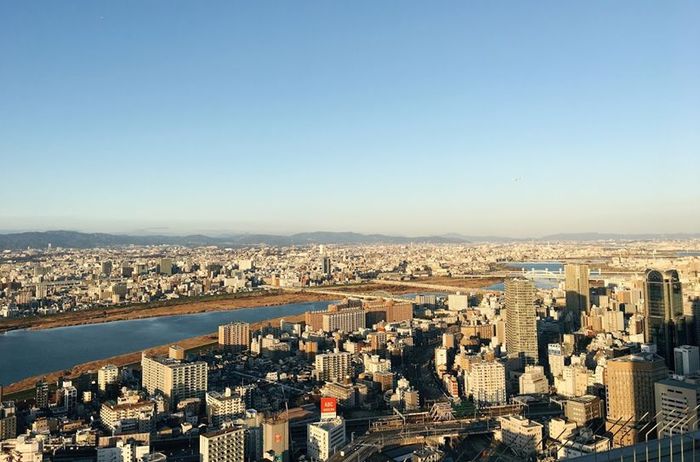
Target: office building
x: 677, y: 401
x: 225, y: 445
x: 665, y: 324
x: 687, y: 359
x: 327, y: 268
x: 629, y: 385
x: 458, y: 302
x: 165, y: 266
x: 333, y: 367
x: 173, y: 378
x: 584, y: 410
x: 235, y: 336
x: 324, y: 438
x: 521, y: 320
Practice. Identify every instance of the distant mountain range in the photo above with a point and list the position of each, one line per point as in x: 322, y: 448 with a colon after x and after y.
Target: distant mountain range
x: 75, y: 239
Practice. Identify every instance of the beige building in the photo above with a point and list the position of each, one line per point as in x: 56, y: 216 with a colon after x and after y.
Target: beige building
x: 129, y: 414
x: 8, y: 421
x: 521, y: 434
x: 224, y: 406
x: 677, y: 400
x: 577, y: 288
x: 174, y: 379
x: 235, y: 336
x: 533, y: 381
x: 345, y: 320
x: 276, y: 437
x: 225, y: 445
x: 521, y: 320
x: 332, y: 367
x: 629, y: 384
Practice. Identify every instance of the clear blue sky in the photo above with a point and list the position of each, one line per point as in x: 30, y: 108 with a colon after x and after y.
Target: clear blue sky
x: 512, y: 117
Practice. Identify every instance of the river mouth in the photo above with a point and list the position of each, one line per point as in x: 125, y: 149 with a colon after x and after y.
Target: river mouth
x: 27, y: 353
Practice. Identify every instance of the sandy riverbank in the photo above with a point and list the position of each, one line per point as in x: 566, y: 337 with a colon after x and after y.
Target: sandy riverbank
x: 96, y: 316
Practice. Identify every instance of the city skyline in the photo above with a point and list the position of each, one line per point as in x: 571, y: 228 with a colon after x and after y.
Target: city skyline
x: 387, y: 118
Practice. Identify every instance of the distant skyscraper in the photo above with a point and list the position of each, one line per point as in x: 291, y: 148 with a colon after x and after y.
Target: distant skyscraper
x: 327, y: 268
x: 664, y: 322
x: 165, y: 266
x: 687, y: 359
x: 521, y: 320
x: 577, y: 291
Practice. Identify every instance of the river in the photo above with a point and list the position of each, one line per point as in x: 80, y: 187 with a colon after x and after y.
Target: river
x: 553, y: 266
x: 25, y: 353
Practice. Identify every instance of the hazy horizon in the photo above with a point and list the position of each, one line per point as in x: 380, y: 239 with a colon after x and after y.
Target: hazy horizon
x: 403, y: 118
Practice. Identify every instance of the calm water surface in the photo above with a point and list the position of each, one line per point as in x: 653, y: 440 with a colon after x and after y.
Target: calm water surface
x: 25, y: 353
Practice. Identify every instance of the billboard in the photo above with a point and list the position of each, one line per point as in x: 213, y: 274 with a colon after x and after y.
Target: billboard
x: 328, y: 408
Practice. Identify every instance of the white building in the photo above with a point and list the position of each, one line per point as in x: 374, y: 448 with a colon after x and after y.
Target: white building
x: 123, y: 452
x: 486, y: 382
x: 107, y: 375
x: 375, y: 364
x: 174, y: 378
x: 456, y: 302
x: 324, y: 438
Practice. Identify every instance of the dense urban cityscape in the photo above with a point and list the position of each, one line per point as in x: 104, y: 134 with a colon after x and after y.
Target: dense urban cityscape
x: 428, y: 352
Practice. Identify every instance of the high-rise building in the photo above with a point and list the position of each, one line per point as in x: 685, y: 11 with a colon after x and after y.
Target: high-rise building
x: 332, y: 367
x: 235, y: 336
x: 165, y: 266
x: 107, y: 376
x: 677, y: 401
x: 521, y: 320
x: 629, y: 385
x: 577, y: 288
x: 687, y: 359
x: 8, y: 420
x: 324, y: 438
x: 348, y: 320
x: 665, y: 324
x: 225, y: 445
x: 327, y: 268
x: 42, y: 394
x: 276, y: 438
x: 173, y: 378
x: 486, y: 382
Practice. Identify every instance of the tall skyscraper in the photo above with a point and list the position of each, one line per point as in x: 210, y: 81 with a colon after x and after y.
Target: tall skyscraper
x: 629, y: 385
x: 664, y: 323
x: 577, y: 292
x: 235, y: 336
x: 521, y: 320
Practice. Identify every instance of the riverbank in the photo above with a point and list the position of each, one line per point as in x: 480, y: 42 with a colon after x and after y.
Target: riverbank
x: 191, y: 306
x: 18, y: 389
